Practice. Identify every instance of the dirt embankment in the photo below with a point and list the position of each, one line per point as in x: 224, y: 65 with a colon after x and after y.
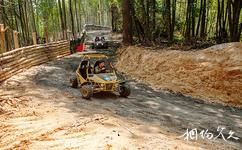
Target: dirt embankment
x: 213, y: 74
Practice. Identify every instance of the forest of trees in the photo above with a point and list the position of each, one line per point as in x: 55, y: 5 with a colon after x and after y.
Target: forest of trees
x: 51, y: 19
x: 142, y: 21
x: 182, y: 20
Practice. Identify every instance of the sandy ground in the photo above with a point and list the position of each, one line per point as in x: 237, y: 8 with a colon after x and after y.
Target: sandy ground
x: 213, y: 74
x: 39, y: 110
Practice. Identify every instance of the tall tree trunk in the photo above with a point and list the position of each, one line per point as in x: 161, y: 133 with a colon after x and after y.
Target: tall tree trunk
x: 188, y: 20
x: 72, y: 19
x: 173, y: 21
x: 153, y: 19
x: 137, y: 24
x: 234, y: 9
x: 100, y: 13
x: 167, y: 18
x: 153, y: 13
x: 64, y: 18
x: 21, y: 20
x: 33, y: 19
x: 26, y: 22
x: 147, y: 20
x: 127, y: 22
x: 203, y: 22
x: 218, y: 20
x: 114, y: 17
x: 199, y: 18
x: 77, y: 17
x: 193, y: 19
x: 80, y: 15
x: 37, y: 17
x: 61, y: 18
x: 143, y: 19
x: 221, y: 32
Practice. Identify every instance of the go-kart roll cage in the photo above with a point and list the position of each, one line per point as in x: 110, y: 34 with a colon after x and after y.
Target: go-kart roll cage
x: 89, y: 70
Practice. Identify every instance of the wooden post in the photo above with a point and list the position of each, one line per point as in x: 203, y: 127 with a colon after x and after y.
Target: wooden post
x: 15, y: 39
x: 34, y: 35
x: 2, y: 39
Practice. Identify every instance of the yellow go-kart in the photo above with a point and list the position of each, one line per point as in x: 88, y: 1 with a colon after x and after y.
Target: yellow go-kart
x: 91, y: 82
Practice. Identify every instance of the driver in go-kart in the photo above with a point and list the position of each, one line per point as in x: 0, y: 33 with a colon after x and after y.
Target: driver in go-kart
x: 97, y: 39
x: 103, y: 39
x: 100, y: 68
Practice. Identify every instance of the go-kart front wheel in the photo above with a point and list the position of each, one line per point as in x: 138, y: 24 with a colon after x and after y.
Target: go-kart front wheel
x: 124, y: 90
x: 86, y: 91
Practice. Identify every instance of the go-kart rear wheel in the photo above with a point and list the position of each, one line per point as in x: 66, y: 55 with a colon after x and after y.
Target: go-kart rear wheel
x: 86, y: 91
x: 124, y: 90
x: 74, y: 83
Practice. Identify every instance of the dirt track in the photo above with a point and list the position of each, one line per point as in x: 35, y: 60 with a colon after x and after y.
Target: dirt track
x: 44, y: 112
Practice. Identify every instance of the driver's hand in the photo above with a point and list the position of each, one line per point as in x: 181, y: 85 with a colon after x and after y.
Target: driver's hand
x: 111, y: 65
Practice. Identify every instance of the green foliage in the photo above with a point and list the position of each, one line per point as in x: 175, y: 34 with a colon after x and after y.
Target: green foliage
x: 47, y: 14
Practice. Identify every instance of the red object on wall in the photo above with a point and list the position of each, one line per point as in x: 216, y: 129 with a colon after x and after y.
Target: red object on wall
x: 80, y: 47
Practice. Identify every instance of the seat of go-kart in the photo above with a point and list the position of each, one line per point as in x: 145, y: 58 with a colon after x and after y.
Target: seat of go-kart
x: 83, y: 69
